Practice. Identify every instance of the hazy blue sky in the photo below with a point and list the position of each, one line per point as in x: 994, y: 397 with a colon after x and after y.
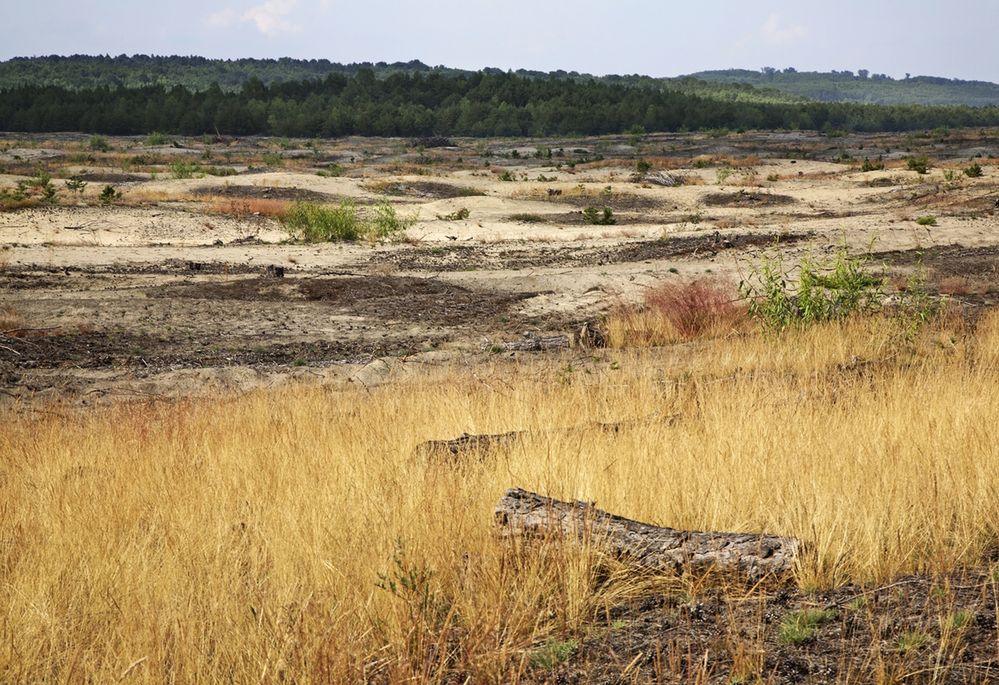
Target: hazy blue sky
x: 665, y: 38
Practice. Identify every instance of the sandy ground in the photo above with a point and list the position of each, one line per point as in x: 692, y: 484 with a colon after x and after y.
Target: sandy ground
x: 167, y: 293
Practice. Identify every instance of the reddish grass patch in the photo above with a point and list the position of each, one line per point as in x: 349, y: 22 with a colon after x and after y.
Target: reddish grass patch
x: 694, y: 308
x: 675, y: 312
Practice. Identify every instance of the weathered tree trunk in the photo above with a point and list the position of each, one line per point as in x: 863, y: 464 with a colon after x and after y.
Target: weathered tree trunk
x: 530, y: 343
x: 659, y: 549
x: 469, y: 443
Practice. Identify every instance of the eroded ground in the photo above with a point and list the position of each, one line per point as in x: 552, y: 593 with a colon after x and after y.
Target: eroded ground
x: 174, y: 288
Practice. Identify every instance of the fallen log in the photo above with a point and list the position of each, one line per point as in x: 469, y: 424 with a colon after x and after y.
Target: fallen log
x: 467, y: 442
x: 530, y: 343
x: 523, y: 513
x: 470, y: 443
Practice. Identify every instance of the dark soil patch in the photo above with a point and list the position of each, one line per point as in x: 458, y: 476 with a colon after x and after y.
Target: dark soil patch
x: 941, y: 628
x: 128, y: 351
x: 747, y: 199
x: 424, y: 189
x: 386, y: 298
x: 264, y: 193
x: 467, y: 258
x: 969, y: 273
x: 110, y: 177
x: 619, y: 202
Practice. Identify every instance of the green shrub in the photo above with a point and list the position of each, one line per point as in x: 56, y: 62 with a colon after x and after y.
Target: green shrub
x: 99, y: 143
x: 109, y: 196
x: 318, y: 223
x: 185, y: 170
x: 604, y: 217
x: 643, y: 166
x: 928, y: 220
x: 386, y: 222
x: 156, y: 138
x: 974, y: 171
x: 39, y: 186
x: 332, y: 171
x: 823, y: 292
x: 868, y: 165
x: 918, y: 164
x: 75, y: 184
x: 507, y: 176
x: 272, y: 159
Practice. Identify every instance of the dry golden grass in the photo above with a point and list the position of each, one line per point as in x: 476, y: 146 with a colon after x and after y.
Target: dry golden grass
x: 245, y: 538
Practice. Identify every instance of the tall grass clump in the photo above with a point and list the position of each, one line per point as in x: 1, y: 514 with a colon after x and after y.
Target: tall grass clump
x: 675, y: 312
x: 319, y: 223
x: 290, y: 535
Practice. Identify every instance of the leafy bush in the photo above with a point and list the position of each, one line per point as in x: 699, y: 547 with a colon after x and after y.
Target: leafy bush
x: 643, y: 166
x: 918, y: 164
x: 75, y: 184
x: 39, y: 187
x: 184, y: 170
x: 386, y: 222
x: 823, y: 292
x: 156, y: 138
x: 868, y: 165
x: 974, y: 171
x: 317, y: 223
x: 928, y: 220
x: 604, y: 217
x: 109, y: 196
x: 99, y: 143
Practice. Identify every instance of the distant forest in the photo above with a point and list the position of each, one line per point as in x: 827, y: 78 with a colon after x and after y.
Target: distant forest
x: 319, y: 98
x: 863, y: 86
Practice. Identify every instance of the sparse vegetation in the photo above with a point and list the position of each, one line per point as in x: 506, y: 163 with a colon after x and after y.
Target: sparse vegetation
x: 920, y: 165
x: 927, y: 220
x: 801, y: 626
x: 527, y: 218
x: 458, y: 215
x: 974, y: 171
x: 109, y: 196
x: 823, y: 291
x: 599, y: 217
x: 319, y: 223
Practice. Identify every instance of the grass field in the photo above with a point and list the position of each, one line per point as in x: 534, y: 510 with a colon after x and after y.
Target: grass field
x: 293, y: 536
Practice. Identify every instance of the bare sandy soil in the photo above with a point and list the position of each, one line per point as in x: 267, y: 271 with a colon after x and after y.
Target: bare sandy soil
x: 172, y: 289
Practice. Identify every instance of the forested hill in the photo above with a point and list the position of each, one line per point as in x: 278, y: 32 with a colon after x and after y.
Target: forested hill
x: 80, y: 72
x: 863, y: 86
x: 476, y: 104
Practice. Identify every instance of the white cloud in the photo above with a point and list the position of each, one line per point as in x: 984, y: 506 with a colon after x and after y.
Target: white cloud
x: 222, y: 18
x: 776, y: 32
x: 271, y: 16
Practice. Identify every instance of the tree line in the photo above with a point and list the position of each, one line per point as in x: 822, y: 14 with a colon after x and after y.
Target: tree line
x: 414, y: 104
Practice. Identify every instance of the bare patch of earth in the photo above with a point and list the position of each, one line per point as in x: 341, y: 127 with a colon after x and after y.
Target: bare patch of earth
x: 245, y: 192
x: 422, y: 300
x: 472, y: 257
x: 918, y: 629
x: 747, y: 199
